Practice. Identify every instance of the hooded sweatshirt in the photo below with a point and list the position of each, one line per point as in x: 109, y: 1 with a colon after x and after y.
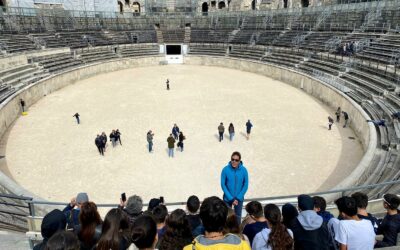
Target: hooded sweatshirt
x: 234, y: 182
x: 310, y: 231
x: 52, y: 222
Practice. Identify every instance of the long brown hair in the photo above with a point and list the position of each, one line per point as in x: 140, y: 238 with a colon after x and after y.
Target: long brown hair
x: 115, y: 228
x: 279, y: 238
x: 89, y: 219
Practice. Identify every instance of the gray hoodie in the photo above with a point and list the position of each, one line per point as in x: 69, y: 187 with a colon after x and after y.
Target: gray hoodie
x: 310, y: 220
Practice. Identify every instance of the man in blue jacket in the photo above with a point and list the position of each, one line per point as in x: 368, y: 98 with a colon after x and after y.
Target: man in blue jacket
x: 234, y: 183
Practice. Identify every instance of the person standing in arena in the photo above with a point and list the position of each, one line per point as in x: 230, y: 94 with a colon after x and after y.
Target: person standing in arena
x: 167, y: 84
x: 113, y: 138
x: 346, y: 118
x: 181, y: 137
x: 118, y: 136
x: 22, y: 102
x: 150, y: 140
x: 77, y: 118
x: 337, y: 113
x: 175, y: 131
x: 231, y: 130
x: 99, y: 144
x: 248, y: 129
x: 234, y: 183
x: 171, y: 145
x: 104, y: 141
x: 330, y: 122
x: 221, y: 130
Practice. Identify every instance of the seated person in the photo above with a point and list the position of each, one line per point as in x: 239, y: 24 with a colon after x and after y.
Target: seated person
x: 52, y: 223
x: 320, y: 208
x: 353, y: 232
x: 390, y: 225
x: 213, y: 214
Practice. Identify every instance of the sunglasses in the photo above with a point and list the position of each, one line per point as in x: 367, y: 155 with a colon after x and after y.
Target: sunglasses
x: 236, y: 160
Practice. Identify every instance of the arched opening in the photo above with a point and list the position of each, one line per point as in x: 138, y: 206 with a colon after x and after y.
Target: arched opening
x: 305, y: 3
x: 253, y: 4
x: 221, y: 5
x: 285, y: 4
x: 204, y: 7
x: 121, y: 7
x: 136, y: 7
x: 2, y: 3
x: 127, y: 2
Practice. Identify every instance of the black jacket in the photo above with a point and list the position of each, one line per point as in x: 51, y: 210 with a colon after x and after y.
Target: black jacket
x: 317, y: 239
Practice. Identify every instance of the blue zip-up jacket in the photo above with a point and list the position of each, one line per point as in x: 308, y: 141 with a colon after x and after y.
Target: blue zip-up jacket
x: 234, y: 182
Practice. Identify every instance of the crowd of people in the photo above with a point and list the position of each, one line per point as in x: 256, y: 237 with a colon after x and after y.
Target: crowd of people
x: 217, y: 223
x: 101, y: 140
x: 212, y: 224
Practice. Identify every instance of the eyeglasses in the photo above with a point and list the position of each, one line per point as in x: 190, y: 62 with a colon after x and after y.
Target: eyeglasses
x: 236, y: 160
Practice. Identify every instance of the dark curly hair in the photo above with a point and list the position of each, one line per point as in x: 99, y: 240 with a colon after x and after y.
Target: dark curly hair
x: 279, y: 238
x: 178, y: 233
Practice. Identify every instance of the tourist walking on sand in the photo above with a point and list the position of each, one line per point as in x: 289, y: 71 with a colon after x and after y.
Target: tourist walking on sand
x: 175, y: 132
x: 113, y: 138
x: 167, y: 84
x: 346, y: 118
x: 221, y: 130
x: 330, y: 122
x: 99, y: 144
x: 104, y: 140
x: 150, y: 136
x: 118, y: 136
x: 231, y: 131
x: 337, y: 113
x: 248, y: 129
x: 171, y: 145
x: 181, y: 137
x: 77, y: 117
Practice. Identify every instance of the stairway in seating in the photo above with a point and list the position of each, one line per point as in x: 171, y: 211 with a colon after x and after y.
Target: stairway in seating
x: 170, y: 5
x: 187, y: 35
x: 160, y: 37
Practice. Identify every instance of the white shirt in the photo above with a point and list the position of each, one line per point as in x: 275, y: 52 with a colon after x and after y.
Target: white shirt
x: 356, y: 235
x: 261, y: 239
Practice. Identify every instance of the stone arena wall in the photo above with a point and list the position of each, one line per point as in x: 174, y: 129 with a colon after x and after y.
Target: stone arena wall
x: 10, y: 109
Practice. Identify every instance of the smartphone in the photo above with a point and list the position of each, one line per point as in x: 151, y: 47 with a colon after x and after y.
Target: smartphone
x: 123, y: 197
x: 162, y: 199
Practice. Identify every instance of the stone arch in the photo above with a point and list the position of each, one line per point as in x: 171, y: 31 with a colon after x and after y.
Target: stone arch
x: 285, y: 3
x: 221, y: 5
x: 136, y: 7
x: 305, y: 3
x: 253, y: 4
x: 121, y: 7
x: 3, y: 3
x: 127, y: 2
x: 204, y: 7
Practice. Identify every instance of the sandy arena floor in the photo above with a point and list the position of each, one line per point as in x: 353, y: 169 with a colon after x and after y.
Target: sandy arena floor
x: 290, y: 151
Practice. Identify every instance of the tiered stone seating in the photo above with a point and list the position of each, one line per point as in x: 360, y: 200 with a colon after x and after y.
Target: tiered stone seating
x: 284, y: 58
x: 384, y: 50
x: 57, y: 62
x: 323, y: 64
x: 137, y: 50
x: 97, y: 54
x: 251, y: 53
x: 22, y: 75
x: 142, y: 36
x: 173, y: 36
x: 209, y: 50
x: 210, y: 35
x: 267, y: 37
x: 16, y: 43
x: 244, y: 36
x: 316, y: 41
